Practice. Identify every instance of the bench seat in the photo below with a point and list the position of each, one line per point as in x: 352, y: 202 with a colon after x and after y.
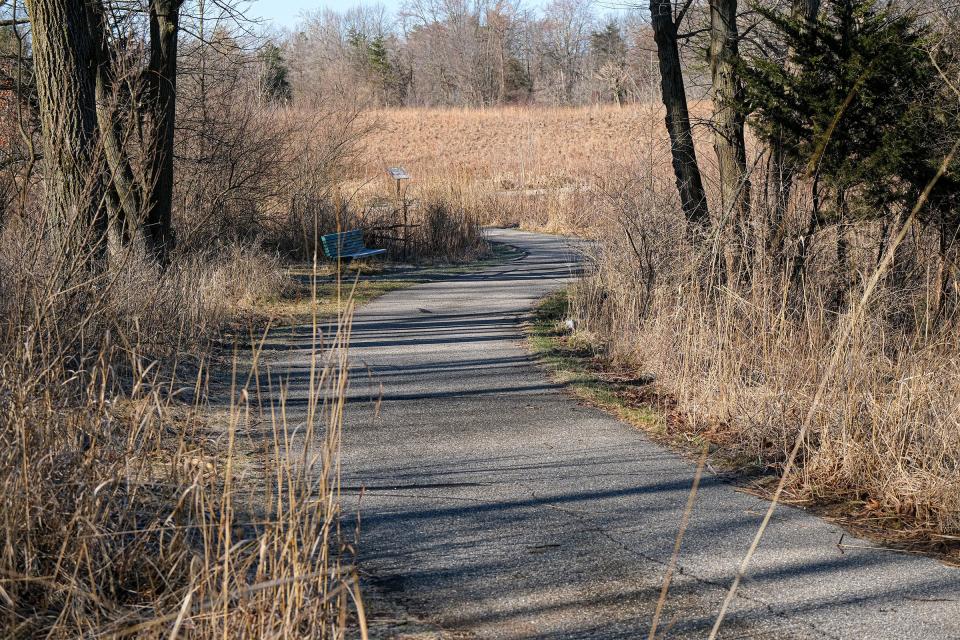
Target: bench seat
x: 347, y: 244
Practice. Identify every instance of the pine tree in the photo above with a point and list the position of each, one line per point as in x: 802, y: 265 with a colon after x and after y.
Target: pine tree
x: 275, y: 80
x: 609, y: 51
x: 857, y: 104
x: 387, y: 76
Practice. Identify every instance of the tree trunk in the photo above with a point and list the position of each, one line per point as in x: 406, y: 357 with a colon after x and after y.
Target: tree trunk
x: 689, y: 183
x: 161, y: 121
x: 728, y: 141
x: 805, y: 240
x: 65, y: 54
x: 845, y: 281
x: 124, y: 192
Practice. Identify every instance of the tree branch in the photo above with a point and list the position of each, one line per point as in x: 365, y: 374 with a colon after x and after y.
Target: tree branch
x: 682, y: 12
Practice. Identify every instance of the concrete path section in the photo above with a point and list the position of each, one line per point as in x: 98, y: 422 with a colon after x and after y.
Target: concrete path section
x: 497, y: 506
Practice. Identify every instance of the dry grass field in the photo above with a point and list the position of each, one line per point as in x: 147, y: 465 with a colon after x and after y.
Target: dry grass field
x: 519, y: 165
x: 517, y: 147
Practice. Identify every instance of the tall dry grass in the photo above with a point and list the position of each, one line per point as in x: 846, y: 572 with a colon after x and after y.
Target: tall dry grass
x: 134, y: 502
x: 515, y: 146
x: 743, y: 361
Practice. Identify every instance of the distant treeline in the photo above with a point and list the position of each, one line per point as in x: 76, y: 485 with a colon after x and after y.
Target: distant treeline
x: 475, y: 53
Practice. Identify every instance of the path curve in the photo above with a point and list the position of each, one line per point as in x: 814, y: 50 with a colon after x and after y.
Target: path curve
x: 497, y: 505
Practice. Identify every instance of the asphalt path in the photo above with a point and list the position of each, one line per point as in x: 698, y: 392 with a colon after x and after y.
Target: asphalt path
x: 497, y: 505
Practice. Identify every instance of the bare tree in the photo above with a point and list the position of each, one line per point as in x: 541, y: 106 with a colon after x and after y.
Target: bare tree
x: 467, y: 53
x: 565, y: 32
x: 673, y: 93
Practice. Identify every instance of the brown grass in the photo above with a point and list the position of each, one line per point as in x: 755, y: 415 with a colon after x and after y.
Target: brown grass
x: 143, y: 489
x: 513, y: 147
x: 744, y: 363
x: 531, y: 166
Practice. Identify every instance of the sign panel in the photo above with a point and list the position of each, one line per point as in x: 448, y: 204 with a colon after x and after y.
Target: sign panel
x: 398, y: 173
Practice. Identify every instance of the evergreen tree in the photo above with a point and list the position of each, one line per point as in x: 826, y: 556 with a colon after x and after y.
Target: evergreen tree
x: 608, y: 46
x: 274, y: 76
x: 378, y: 58
x: 519, y: 84
x: 386, y: 75
x: 858, y: 105
x: 609, y: 52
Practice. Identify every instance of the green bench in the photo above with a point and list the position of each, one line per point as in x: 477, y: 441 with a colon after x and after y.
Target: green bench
x: 347, y: 244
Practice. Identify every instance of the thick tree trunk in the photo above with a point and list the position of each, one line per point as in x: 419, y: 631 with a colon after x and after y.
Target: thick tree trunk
x: 728, y: 141
x: 65, y: 54
x: 161, y: 122
x: 689, y: 183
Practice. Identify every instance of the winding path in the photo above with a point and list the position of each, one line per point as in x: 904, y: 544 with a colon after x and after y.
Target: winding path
x: 498, y: 506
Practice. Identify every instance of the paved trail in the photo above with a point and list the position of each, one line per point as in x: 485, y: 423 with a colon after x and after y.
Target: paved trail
x: 498, y: 505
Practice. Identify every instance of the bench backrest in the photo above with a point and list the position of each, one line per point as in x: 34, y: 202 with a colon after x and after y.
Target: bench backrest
x: 344, y: 243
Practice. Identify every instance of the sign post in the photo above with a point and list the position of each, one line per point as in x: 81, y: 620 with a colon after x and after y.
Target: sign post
x: 399, y: 174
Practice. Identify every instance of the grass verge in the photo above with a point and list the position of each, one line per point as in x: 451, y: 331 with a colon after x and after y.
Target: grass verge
x: 579, y: 363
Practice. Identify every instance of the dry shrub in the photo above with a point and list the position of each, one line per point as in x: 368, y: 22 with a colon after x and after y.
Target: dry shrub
x: 446, y: 232
x: 321, y: 145
x: 744, y: 360
x: 338, y: 183
x: 254, y: 170
x: 643, y: 244
x: 433, y: 224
